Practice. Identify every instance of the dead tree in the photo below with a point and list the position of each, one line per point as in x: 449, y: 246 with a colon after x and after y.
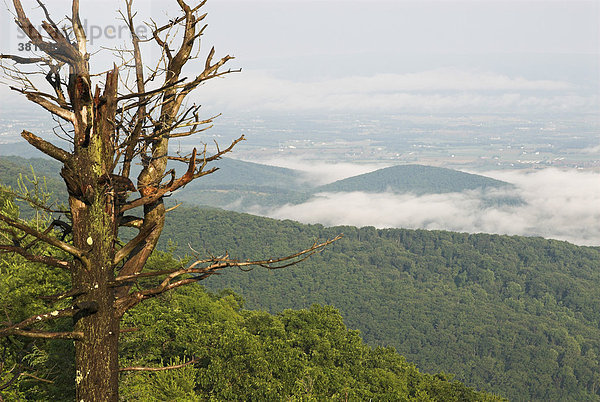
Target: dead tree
x: 113, y: 122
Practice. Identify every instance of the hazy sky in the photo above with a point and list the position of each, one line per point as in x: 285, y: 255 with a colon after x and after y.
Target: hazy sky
x: 412, y: 56
x: 298, y: 29
x: 255, y: 29
x: 388, y: 56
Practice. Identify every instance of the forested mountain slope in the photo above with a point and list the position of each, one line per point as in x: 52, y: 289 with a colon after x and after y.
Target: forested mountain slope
x: 254, y: 356
x: 13, y: 166
x: 238, y: 185
x: 417, y: 179
x: 237, y: 354
x: 514, y: 315
x: 234, y: 172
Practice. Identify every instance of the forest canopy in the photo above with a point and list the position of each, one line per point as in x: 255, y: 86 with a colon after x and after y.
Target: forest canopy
x: 225, y: 352
x: 513, y: 315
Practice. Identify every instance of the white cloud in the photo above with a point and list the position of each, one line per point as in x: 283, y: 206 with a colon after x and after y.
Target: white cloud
x: 562, y: 205
x: 592, y: 150
x: 442, y: 90
x: 440, y: 80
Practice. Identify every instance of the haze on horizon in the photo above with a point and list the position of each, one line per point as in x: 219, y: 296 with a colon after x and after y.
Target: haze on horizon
x: 410, y: 56
x: 385, y: 56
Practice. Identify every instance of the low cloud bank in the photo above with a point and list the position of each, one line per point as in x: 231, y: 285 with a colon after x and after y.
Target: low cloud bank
x: 441, y: 90
x: 562, y: 205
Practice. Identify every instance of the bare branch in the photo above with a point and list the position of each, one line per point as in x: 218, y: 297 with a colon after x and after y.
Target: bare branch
x: 133, y: 243
x: 39, y: 204
x: 47, y: 14
x: 23, y: 60
x: 37, y: 378
x: 215, y: 264
x: 75, y: 335
x: 210, y: 71
x: 172, y: 208
x: 64, y: 295
x: 142, y: 94
x: 14, y: 329
x: 53, y: 78
x: 78, y: 29
x: 132, y: 221
x: 51, y: 107
x: 134, y: 277
x: 177, y: 366
x: 152, y: 194
x: 46, y: 147
x: 62, y: 50
x: 26, y: 25
x: 44, y: 259
x: 44, y: 237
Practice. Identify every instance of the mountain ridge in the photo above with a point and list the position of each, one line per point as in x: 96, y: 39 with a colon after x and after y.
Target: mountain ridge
x: 412, y: 178
x: 240, y: 186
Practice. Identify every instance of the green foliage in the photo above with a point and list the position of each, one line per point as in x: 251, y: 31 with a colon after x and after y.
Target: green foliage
x: 175, y: 385
x: 11, y: 167
x: 21, y: 285
x: 241, y: 355
x: 304, y: 355
x: 515, y: 315
x: 36, y: 180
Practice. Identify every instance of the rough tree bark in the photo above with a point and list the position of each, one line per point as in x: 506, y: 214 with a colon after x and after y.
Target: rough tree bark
x: 114, y: 123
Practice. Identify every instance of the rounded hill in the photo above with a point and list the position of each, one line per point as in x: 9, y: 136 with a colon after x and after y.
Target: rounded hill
x: 417, y: 179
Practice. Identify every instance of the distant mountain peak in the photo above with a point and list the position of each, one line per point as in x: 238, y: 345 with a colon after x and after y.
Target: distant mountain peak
x: 416, y: 179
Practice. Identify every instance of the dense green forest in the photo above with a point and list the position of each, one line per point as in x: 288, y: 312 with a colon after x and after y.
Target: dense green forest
x: 515, y: 315
x: 236, y: 354
x: 13, y: 167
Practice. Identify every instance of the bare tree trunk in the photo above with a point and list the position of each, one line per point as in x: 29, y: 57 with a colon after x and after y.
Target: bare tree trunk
x: 92, y: 204
x: 96, y: 355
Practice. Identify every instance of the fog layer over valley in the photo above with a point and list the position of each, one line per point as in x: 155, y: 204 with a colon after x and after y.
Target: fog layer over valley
x: 557, y: 204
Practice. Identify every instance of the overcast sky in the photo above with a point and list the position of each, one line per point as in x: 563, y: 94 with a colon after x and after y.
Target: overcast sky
x: 416, y: 56
x: 292, y: 29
